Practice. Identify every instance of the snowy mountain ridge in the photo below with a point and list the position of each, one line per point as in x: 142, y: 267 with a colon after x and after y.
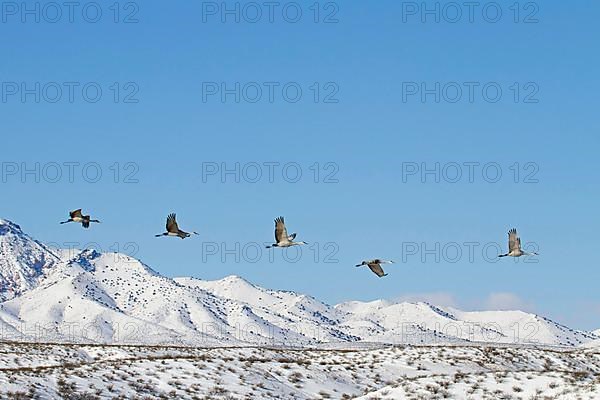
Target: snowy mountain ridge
x: 23, y: 260
x: 86, y: 296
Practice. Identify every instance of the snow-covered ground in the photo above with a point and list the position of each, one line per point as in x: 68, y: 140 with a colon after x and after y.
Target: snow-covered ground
x: 365, y: 372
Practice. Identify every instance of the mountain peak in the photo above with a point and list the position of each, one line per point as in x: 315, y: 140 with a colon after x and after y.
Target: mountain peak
x: 23, y: 260
x: 7, y: 227
x: 235, y: 280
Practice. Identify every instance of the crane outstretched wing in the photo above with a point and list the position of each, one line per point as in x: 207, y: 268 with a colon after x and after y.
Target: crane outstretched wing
x: 172, y: 224
x: 281, y: 234
x: 76, y: 214
x: 514, y: 242
x: 377, y: 270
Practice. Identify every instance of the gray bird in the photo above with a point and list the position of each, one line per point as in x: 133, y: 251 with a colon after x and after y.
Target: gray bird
x: 375, y: 266
x: 77, y: 216
x: 282, y: 238
x: 514, y: 246
x: 173, y: 229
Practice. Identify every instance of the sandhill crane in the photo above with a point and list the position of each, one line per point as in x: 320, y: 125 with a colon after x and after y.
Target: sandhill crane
x: 514, y: 246
x: 375, y: 266
x: 173, y: 229
x: 281, y: 236
x: 77, y: 216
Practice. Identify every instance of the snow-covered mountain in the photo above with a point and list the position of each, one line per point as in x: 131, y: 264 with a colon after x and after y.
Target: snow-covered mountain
x: 56, y: 296
x: 382, y: 321
x: 23, y: 261
x: 594, y: 343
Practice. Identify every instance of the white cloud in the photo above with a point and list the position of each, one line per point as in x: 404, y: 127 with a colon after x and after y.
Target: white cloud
x: 497, y: 301
x: 502, y: 301
x: 442, y: 299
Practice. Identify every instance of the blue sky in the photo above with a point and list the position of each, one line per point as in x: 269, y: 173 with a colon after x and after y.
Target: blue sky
x: 366, y: 139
